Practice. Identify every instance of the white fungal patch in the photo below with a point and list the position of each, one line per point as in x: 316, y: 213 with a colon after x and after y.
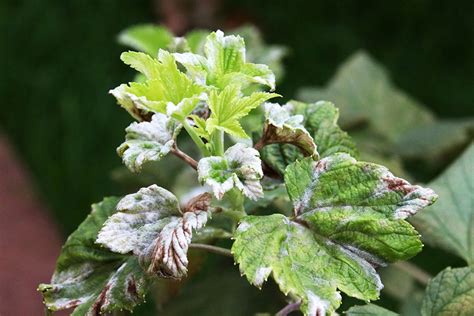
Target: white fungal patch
x: 243, y: 226
x: 261, y: 275
x: 316, y: 305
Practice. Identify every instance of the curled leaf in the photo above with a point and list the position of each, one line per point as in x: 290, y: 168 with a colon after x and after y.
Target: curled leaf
x: 240, y: 168
x: 148, y: 141
x: 283, y: 127
x: 151, y: 225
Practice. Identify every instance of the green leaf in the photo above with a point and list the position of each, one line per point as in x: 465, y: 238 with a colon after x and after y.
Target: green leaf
x: 166, y: 89
x: 451, y: 292
x: 90, y: 278
x: 228, y: 106
x: 240, y: 168
x: 320, y: 120
x: 224, y: 64
x: 348, y: 218
x: 282, y: 127
x: 450, y: 136
x: 147, y: 38
x: 450, y: 222
x: 148, y: 141
x: 369, y: 310
x: 261, y: 53
x: 364, y: 93
x: 151, y: 225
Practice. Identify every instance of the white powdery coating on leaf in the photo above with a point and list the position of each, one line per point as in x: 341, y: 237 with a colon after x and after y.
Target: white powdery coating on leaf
x: 243, y: 171
x: 279, y: 116
x: 261, y: 275
x: 168, y: 254
x: 243, y: 226
x: 316, y: 305
x: 150, y: 199
x: 414, y: 197
x: 147, y: 141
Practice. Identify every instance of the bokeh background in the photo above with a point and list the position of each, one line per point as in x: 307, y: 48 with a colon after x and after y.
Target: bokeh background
x: 59, y: 127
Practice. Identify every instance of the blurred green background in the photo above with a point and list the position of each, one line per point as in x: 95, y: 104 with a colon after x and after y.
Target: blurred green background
x: 59, y: 59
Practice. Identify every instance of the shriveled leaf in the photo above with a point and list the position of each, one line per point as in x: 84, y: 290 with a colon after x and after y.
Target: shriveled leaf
x: 90, y: 278
x: 369, y: 310
x: 451, y: 292
x: 224, y: 64
x: 166, y: 89
x: 320, y: 120
x: 283, y: 127
x: 148, y: 141
x: 348, y: 218
x: 240, y: 168
x: 146, y: 38
x: 228, y: 106
x: 151, y: 225
x: 450, y: 222
x: 364, y: 93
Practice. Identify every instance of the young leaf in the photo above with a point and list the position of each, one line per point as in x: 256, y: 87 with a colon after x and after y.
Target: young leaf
x: 91, y: 279
x: 451, y: 292
x: 364, y: 93
x: 151, y: 225
x: 450, y: 222
x: 228, y: 106
x: 320, y: 120
x: 147, y: 38
x: 240, y: 168
x: 369, y: 310
x: 225, y: 64
x: 166, y: 89
x: 282, y: 127
x: 148, y: 141
x: 348, y: 218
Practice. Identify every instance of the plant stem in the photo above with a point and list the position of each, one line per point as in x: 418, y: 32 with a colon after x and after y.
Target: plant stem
x: 182, y: 155
x: 214, y: 249
x: 218, y: 142
x: 260, y: 144
x: 291, y: 307
x: 197, y: 140
x: 418, y: 274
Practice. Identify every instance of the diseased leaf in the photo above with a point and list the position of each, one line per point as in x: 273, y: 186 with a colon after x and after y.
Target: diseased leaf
x: 450, y: 222
x: 147, y: 38
x: 240, y: 168
x: 451, y: 292
x: 348, y: 218
x: 151, y: 225
x: 224, y: 64
x: 90, y: 278
x: 165, y: 90
x: 369, y: 310
x: 228, y: 106
x: 282, y: 127
x: 148, y: 141
x: 320, y: 120
x: 364, y: 93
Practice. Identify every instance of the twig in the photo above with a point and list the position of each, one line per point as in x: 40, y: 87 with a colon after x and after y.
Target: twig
x: 214, y: 249
x: 260, y: 144
x: 182, y: 155
x: 291, y: 307
x: 418, y: 274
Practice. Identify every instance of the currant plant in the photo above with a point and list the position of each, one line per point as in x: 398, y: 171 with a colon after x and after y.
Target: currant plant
x: 346, y: 219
